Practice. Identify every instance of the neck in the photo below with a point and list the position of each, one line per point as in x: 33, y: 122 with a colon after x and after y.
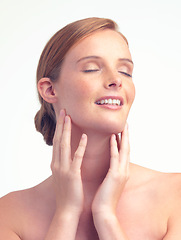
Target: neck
x: 96, y: 159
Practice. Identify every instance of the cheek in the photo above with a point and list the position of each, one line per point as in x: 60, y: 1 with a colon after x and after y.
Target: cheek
x: 75, y: 91
x: 82, y: 92
x: 83, y: 89
x: 130, y: 93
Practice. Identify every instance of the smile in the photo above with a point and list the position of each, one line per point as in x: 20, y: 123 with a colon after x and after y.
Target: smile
x: 110, y: 101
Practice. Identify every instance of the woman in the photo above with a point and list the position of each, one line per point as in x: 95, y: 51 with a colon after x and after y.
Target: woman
x: 84, y: 79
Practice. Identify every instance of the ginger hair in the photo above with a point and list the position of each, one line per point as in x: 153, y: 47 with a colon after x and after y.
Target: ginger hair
x: 51, y: 60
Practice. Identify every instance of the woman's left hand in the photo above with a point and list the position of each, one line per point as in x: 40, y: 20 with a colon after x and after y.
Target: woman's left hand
x: 109, y: 192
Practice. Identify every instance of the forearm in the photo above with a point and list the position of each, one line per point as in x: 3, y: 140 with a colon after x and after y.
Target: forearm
x: 63, y: 226
x: 108, y: 227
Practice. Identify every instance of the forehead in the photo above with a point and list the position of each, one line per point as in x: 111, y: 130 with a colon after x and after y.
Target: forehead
x: 104, y: 43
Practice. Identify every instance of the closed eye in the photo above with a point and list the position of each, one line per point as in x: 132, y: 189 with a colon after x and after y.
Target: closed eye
x: 90, y: 70
x: 126, y: 74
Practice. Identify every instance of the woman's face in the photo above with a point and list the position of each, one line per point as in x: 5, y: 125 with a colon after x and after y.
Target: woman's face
x: 95, y: 86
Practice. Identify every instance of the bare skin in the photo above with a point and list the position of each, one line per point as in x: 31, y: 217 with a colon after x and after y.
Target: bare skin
x: 144, y: 209
x: 147, y: 209
x: 94, y: 191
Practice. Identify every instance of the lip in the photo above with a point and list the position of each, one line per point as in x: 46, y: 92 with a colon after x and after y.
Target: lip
x: 111, y: 97
x: 113, y: 107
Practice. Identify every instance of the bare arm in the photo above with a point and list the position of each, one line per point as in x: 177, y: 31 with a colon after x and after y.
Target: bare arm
x: 106, y: 200
x: 174, y: 222
x: 67, y: 182
x: 7, y: 233
x: 68, y: 189
x: 108, y: 227
x: 63, y: 226
x: 8, y: 228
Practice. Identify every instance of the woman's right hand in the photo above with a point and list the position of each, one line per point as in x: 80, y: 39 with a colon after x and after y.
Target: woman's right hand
x: 66, y: 171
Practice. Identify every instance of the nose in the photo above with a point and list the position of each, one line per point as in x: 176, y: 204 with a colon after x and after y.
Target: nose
x: 113, y: 79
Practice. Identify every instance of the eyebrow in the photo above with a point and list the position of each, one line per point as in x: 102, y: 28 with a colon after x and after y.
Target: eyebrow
x: 88, y: 57
x: 96, y: 57
x: 126, y: 60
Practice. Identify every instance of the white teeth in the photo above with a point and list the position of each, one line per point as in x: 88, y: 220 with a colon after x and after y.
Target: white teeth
x: 109, y: 102
x: 114, y: 101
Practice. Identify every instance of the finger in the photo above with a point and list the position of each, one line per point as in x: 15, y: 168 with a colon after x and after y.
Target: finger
x: 118, y: 140
x: 114, y: 160
x: 65, y: 149
x: 79, y: 154
x: 124, y: 148
x: 57, y: 138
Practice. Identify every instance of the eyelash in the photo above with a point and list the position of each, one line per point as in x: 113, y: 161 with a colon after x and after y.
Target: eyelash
x: 96, y: 70
x: 91, y: 70
x: 127, y: 74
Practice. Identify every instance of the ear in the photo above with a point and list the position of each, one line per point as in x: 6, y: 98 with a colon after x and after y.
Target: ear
x: 46, y: 90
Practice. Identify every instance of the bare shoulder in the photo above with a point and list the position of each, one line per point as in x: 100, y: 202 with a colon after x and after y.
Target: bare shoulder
x: 172, y: 182
x: 171, y: 196
x: 162, y: 182
x: 11, y: 215
x: 21, y: 209
x: 16, y: 202
x: 169, y: 187
x: 168, y: 184
x: 163, y: 187
x: 160, y: 195
x: 164, y: 190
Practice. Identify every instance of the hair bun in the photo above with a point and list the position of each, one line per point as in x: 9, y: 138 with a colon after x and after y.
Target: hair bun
x: 45, y: 124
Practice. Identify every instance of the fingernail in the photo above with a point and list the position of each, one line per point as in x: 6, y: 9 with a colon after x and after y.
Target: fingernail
x: 114, y: 136
x: 62, y: 112
x: 66, y: 119
x: 84, y: 136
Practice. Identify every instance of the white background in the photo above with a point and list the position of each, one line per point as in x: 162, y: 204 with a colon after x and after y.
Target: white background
x: 153, y: 29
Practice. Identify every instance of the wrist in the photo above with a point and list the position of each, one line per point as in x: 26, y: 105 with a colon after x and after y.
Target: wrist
x: 104, y: 221
x: 103, y: 211
x: 108, y: 226
x: 106, y: 215
x: 67, y: 213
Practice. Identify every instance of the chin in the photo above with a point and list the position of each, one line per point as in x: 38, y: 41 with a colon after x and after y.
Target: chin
x: 115, y: 129
x: 106, y: 126
x: 109, y: 128
x: 113, y: 126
